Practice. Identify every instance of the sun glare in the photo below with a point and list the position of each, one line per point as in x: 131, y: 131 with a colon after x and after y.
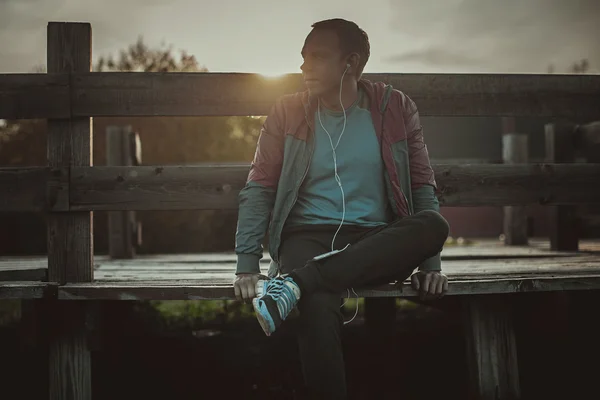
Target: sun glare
x: 272, y: 75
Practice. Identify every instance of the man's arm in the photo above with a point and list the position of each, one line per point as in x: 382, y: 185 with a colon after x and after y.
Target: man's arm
x: 257, y: 197
x: 422, y: 178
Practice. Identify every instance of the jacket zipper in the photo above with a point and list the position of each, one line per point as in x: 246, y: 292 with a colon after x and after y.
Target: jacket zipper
x: 299, y: 185
x: 391, y: 151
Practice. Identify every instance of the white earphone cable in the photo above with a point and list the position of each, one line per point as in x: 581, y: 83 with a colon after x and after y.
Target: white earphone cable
x: 339, y: 182
x: 333, y: 148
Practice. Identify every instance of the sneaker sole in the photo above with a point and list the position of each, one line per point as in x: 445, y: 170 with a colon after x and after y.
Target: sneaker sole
x: 265, y: 321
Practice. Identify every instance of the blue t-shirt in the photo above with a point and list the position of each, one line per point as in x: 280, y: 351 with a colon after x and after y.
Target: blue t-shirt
x: 360, y: 168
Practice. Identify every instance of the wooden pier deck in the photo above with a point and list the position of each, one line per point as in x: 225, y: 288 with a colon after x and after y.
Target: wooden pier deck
x: 485, y: 266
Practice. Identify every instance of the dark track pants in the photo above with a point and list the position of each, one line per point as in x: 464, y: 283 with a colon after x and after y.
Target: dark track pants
x: 375, y: 256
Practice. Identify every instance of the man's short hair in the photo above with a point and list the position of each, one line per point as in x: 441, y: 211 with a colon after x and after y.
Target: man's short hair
x: 352, y: 39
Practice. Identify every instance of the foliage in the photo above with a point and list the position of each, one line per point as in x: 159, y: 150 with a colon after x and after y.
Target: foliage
x: 165, y: 140
x: 579, y: 67
x: 140, y: 57
x: 10, y: 312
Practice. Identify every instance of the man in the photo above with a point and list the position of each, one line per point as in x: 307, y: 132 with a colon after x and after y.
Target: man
x: 342, y: 179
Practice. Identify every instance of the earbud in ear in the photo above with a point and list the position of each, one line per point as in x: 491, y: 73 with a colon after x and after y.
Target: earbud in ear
x: 348, y: 66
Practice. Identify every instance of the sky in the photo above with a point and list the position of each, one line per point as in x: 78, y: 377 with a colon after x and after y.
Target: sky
x: 266, y: 36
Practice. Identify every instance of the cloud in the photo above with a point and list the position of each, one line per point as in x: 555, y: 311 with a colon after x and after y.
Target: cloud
x: 503, y: 36
x: 23, y: 25
x: 436, y: 55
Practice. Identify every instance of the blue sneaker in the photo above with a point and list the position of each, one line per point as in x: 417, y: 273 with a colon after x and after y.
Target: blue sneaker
x: 275, y: 299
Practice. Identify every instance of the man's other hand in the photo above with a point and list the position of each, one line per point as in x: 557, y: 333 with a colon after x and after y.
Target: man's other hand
x: 430, y: 284
x: 244, y: 286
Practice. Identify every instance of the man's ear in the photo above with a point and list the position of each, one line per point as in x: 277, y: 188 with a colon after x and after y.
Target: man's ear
x: 353, y: 60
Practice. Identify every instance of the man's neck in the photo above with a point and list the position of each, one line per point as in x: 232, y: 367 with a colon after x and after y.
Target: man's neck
x: 349, y: 95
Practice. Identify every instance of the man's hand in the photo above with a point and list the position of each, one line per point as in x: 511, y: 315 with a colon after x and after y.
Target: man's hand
x: 244, y: 286
x: 430, y: 284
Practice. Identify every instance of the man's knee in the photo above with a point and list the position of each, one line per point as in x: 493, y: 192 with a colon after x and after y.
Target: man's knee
x: 437, y: 228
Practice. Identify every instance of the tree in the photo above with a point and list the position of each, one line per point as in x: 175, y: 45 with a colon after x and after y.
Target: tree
x: 165, y: 140
x: 177, y: 140
x: 139, y: 57
x: 579, y: 67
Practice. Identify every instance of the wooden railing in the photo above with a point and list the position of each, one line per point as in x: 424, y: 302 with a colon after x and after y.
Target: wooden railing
x: 217, y: 187
x: 70, y: 187
x: 99, y: 94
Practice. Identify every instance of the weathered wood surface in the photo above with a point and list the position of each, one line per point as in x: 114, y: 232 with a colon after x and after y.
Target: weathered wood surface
x: 487, y: 266
x: 202, y: 290
x: 70, y: 235
x: 23, y: 271
x: 98, y: 94
x: 491, y: 348
x: 166, y: 283
x: 25, y: 96
x: 147, y: 279
x: 478, y: 249
x: 514, y: 151
x: 23, y: 189
x: 26, y: 290
x: 456, y: 269
x: 120, y: 151
x: 564, y: 222
x: 34, y: 189
x: 70, y: 359
x: 217, y: 187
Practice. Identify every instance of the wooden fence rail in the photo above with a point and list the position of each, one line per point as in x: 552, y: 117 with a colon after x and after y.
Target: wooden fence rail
x: 101, y: 94
x: 119, y: 188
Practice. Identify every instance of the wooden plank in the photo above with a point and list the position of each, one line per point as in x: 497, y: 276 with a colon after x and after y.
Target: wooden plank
x: 23, y: 273
x: 25, y: 96
x: 488, y: 250
x: 491, y: 348
x: 23, y: 189
x: 196, y: 290
x: 217, y: 187
x: 477, y: 269
x: 187, y: 94
x: 501, y: 185
x: 70, y: 235
x: 120, y: 223
x: 157, y: 187
x: 26, y: 290
x: 514, y: 151
x: 70, y: 361
x: 205, y: 94
x: 466, y: 270
x: 560, y: 148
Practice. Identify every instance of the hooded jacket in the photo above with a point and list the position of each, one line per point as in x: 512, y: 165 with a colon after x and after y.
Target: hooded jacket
x: 283, y: 156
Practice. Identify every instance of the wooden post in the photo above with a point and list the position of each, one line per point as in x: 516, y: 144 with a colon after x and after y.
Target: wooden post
x: 380, y: 317
x: 123, y: 148
x: 70, y: 234
x: 560, y: 148
x: 491, y: 348
x: 514, y: 151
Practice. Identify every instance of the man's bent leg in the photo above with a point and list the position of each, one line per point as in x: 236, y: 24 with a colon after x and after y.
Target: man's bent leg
x: 320, y: 345
x: 394, y: 250
x: 319, y: 334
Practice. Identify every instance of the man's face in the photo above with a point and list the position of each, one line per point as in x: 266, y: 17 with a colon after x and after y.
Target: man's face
x: 323, y: 64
